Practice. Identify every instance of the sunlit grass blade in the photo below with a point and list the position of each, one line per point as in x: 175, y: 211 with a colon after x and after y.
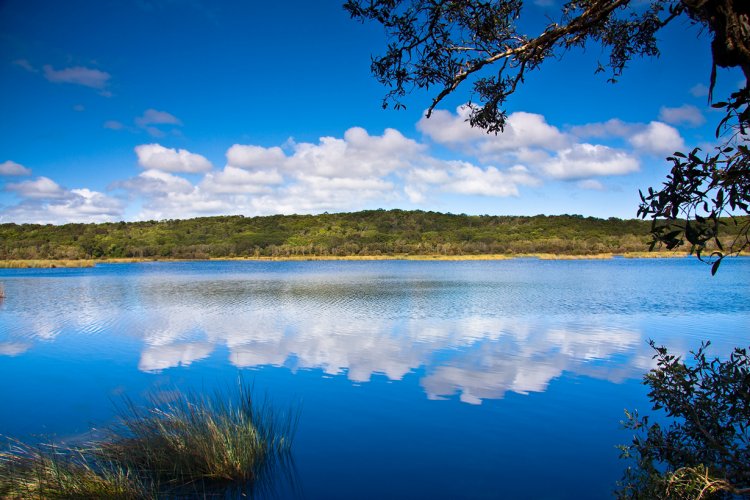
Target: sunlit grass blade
x: 194, y: 445
x: 217, y: 439
x: 47, y: 471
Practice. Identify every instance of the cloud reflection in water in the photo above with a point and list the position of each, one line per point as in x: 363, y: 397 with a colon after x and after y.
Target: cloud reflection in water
x: 456, y: 337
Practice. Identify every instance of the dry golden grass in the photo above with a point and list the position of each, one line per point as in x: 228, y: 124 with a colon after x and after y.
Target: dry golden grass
x: 655, y: 255
x: 226, y: 442
x: 44, y: 263
x: 41, y: 263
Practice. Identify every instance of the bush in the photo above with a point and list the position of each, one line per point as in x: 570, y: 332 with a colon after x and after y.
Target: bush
x: 704, y: 451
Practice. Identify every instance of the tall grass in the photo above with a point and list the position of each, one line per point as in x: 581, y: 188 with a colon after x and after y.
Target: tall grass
x: 47, y: 471
x: 194, y: 445
x: 216, y: 439
x: 45, y: 263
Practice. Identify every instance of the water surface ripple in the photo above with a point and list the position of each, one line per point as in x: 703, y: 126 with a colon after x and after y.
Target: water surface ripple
x: 495, y: 358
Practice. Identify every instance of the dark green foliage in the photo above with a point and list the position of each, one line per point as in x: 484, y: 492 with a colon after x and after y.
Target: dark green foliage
x: 443, y: 43
x: 494, y: 45
x: 702, y: 448
x: 376, y: 232
x: 702, y: 189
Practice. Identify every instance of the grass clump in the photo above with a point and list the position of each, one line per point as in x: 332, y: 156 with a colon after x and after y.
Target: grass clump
x: 45, y: 263
x: 192, y: 445
x: 52, y: 472
x: 199, y: 438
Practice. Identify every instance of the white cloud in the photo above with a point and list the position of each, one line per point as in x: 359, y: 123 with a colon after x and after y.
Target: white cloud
x: 682, y: 115
x: 44, y: 201
x: 87, y: 205
x: 522, y: 130
x: 11, y: 168
x: 654, y: 138
x: 40, y: 188
x: 589, y: 160
x: 468, y: 179
x: 316, y: 193
x: 78, y: 75
x: 251, y: 157
x: 195, y: 203
x: 156, y: 182
x: 444, y: 127
x: 358, y: 154
x: 157, y: 157
x: 610, y: 128
x: 238, y: 181
x: 658, y: 138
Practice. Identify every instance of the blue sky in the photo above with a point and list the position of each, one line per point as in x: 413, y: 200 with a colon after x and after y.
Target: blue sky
x: 160, y: 109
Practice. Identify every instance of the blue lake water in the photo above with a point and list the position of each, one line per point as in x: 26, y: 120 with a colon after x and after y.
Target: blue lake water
x: 493, y: 379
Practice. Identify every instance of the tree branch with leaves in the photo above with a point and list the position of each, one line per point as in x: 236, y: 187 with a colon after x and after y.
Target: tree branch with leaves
x: 449, y: 44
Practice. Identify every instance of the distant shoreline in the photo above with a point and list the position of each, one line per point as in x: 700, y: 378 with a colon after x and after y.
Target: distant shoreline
x: 84, y: 263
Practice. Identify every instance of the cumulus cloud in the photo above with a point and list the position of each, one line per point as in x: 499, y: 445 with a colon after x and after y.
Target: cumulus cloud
x: 11, y: 168
x: 157, y: 157
x: 87, y: 205
x: 233, y: 180
x: 541, y: 149
x: 610, y: 128
x: 78, y: 75
x: 658, y: 138
x: 315, y: 193
x: 468, y: 179
x: 682, y: 115
x: 40, y: 188
x: 358, y: 154
x: 589, y: 160
x: 653, y: 138
x: 523, y: 130
x: 45, y: 201
x: 251, y: 157
x: 156, y: 182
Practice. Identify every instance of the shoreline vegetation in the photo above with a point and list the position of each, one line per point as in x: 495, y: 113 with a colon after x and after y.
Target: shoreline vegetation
x: 196, y: 445
x: 366, y: 235
x: 87, y: 263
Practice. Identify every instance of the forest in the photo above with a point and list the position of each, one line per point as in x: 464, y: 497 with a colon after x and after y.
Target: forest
x: 365, y: 233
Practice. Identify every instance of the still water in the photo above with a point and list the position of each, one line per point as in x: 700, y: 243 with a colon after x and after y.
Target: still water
x: 496, y: 379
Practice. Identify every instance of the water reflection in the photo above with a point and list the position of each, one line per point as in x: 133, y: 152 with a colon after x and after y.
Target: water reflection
x: 474, y: 337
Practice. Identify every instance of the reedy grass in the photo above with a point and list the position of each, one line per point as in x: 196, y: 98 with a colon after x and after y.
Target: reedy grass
x: 44, y: 263
x: 194, y: 445
x: 48, y: 471
x: 199, y: 438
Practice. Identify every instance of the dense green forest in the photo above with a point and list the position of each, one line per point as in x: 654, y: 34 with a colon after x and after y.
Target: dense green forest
x: 375, y: 232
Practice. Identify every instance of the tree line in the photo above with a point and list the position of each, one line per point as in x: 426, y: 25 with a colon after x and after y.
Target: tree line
x: 372, y: 232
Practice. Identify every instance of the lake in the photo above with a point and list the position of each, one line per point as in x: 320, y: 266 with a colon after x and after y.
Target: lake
x: 415, y: 379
